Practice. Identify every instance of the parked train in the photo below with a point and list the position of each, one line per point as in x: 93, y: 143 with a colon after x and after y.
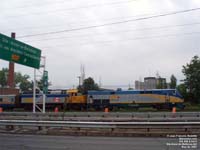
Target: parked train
x: 7, y: 101
x: 162, y: 98
x: 71, y: 99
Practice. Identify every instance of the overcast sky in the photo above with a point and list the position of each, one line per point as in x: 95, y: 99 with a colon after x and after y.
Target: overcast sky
x: 116, y: 40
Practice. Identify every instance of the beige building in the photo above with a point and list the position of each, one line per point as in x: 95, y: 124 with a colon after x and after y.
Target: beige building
x: 139, y: 85
x: 151, y: 83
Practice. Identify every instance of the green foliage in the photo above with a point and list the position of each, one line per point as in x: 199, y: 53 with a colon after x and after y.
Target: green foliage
x: 20, y: 80
x: 173, y: 82
x: 161, y: 83
x: 88, y: 84
x: 40, y: 83
x: 192, y: 80
x: 23, y: 81
x: 3, y: 77
x: 183, y: 91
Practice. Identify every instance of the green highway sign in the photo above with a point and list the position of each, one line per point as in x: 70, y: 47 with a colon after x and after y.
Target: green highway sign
x: 18, y: 52
x: 45, y: 82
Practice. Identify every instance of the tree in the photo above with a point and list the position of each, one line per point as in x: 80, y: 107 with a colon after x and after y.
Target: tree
x: 20, y: 80
x: 3, y: 77
x: 173, y: 82
x: 192, y: 81
x: 88, y: 84
x: 40, y: 84
x: 161, y: 83
x: 23, y: 81
x: 183, y: 91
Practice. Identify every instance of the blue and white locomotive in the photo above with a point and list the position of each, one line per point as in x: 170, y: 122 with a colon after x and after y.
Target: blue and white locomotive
x: 157, y: 98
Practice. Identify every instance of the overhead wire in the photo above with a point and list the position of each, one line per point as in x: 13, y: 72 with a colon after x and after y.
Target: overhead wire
x: 33, y: 5
x: 151, y: 37
x: 125, y: 40
x: 107, y: 19
x: 121, y: 31
x: 112, y: 23
x: 73, y: 8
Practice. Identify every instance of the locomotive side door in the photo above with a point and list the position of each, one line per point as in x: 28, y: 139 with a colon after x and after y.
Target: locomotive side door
x: 167, y: 98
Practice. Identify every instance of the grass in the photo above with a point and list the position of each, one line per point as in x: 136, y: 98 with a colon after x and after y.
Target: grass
x: 192, y: 107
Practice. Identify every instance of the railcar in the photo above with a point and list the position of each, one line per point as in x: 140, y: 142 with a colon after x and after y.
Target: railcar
x: 75, y: 100
x: 158, y: 98
x: 7, y: 101
x: 51, y: 101
x: 71, y: 99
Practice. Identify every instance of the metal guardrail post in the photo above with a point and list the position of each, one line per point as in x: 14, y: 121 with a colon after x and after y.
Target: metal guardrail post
x: 39, y: 128
x: 132, y: 116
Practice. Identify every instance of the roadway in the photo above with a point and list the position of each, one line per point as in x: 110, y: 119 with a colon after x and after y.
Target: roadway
x: 41, y: 142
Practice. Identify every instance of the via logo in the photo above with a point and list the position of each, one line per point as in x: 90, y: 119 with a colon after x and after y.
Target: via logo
x: 56, y: 99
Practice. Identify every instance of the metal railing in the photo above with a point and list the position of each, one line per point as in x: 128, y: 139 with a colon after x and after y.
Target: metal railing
x: 100, y: 114
x: 81, y: 124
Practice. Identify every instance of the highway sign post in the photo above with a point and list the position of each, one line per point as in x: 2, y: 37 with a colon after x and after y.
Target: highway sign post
x: 21, y: 53
x: 18, y: 52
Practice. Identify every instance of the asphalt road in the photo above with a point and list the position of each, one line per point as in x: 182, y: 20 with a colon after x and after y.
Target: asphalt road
x: 40, y: 142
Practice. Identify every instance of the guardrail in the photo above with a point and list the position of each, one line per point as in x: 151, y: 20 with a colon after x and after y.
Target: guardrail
x: 81, y: 124
x: 103, y: 114
x: 100, y: 128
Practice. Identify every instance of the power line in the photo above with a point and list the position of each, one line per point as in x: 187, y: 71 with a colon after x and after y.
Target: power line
x: 123, y: 31
x: 33, y: 5
x: 151, y: 37
x: 113, y: 23
x: 133, y: 39
x: 108, y: 19
x: 74, y: 8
